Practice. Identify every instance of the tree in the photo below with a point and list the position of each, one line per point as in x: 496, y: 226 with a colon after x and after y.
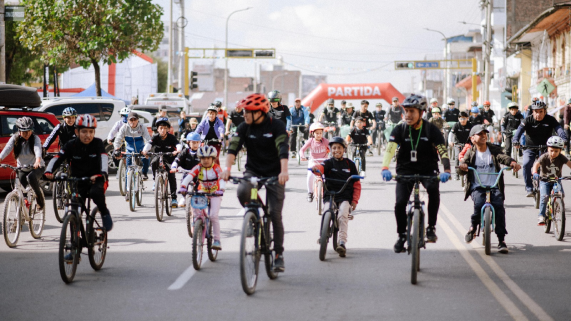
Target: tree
x: 162, y: 72
x: 90, y: 31
x: 18, y: 58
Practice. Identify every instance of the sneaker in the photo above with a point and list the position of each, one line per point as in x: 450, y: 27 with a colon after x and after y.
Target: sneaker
x: 279, y: 263
x: 341, y: 249
x: 216, y: 246
x: 529, y: 194
x: 68, y: 258
x: 370, y: 153
x: 456, y: 177
x: 399, y: 245
x: 431, y: 234
x: 363, y: 173
x: 310, y: 197
x: 174, y: 204
x: 145, y: 177
x: 470, y: 235
x: 541, y: 220
x: 503, y: 248
x: 107, y: 222
x: 153, y: 186
x: 293, y: 155
x: 127, y: 197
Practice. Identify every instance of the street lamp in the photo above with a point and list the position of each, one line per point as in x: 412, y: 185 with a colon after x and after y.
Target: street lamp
x: 226, y: 58
x: 446, y: 58
x: 276, y: 77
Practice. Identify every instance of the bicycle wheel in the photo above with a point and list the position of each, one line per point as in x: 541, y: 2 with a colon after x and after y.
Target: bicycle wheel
x: 335, y: 230
x: 249, y: 253
x: 197, y: 242
x: 121, y: 173
x: 487, y: 229
x: 132, y: 192
x: 549, y: 215
x: 58, y: 198
x: 415, y: 248
x: 559, y: 219
x: 536, y: 198
x: 37, y: 219
x: 167, y: 197
x: 319, y: 197
x: 139, y: 189
x: 326, y: 225
x: 358, y: 165
x: 97, y: 246
x: 12, y: 219
x: 68, y: 246
x: 188, y: 210
x: 159, y: 203
x: 379, y: 143
x: 212, y: 254
x: 269, y: 252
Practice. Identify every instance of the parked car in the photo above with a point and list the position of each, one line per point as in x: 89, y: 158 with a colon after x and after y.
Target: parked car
x: 16, y: 102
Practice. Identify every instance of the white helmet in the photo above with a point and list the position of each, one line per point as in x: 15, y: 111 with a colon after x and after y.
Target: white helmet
x: 555, y: 141
x: 451, y: 101
x: 207, y: 151
x: 125, y: 111
x: 315, y: 126
x: 433, y: 100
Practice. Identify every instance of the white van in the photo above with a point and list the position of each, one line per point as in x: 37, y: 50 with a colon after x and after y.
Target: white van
x: 171, y: 100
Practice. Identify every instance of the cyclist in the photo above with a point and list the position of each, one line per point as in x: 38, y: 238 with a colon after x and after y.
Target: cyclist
x: 164, y: 142
x: 433, y: 104
x: 212, y: 128
x: 277, y: 110
x: 221, y: 113
x: 207, y: 172
x: 538, y: 127
x: 488, y: 114
x: 347, y: 115
x: 486, y: 158
x: 65, y: 130
x: 360, y: 135
x: 452, y: 113
x: 460, y: 134
x: 187, y: 158
x: 235, y: 118
x: 343, y: 105
x: 267, y: 155
x: 135, y: 135
x: 379, y: 117
x: 510, y: 122
x: 318, y: 150
x: 396, y: 112
x: 437, y: 120
x: 551, y: 164
x: 367, y: 118
x: 340, y: 168
x: 299, y: 116
x: 162, y: 113
x: 329, y: 113
x: 193, y: 122
x: 566, y: 121
x: 27, y: 148
x: 87, y: 157
x: 416, y: 156
x: 118, y: 124
x: 475, y: 117
x: 183, y: 124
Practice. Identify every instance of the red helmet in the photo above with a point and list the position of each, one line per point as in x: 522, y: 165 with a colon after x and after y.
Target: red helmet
x: 86, y: 121
x: 255, y: 102
x: 486, y: 103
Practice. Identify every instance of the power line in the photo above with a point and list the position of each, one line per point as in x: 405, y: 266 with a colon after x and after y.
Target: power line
x: 338, y: 74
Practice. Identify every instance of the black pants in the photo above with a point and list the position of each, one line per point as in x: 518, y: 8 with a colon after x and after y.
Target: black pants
x: 403, y: 191
x: 33, y: 178
x: 293, y: 137
x: 508, y: 144
x: 171, y: 176
x: 362, y: 153
x: 96, y: 192
x: 568, y: 133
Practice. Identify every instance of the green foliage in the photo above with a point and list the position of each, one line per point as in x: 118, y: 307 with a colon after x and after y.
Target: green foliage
x: 89, y: 31
x: 162, y: 72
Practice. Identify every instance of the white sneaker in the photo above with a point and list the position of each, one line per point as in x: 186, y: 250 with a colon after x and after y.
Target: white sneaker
x: 363, y: 173
x: 540, y: 220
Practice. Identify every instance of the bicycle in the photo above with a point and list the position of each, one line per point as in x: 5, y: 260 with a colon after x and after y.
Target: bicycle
x: 536, y: 193
x: 163, y: 198
x: 121, y: 176
x: 415, y: 231
x: 257, y: 235
x: 74, y: 237
x: 329, y: 220
x: 134, y: 177
x: 488, y: 213
x: 356, y: 156
x: 330, y: 129
x: 299, y: 141
x: 61, y: 192
x: 20, y: 207
x: 187, y: 205
x: 555, y: 208
x: 202, y: 227
x: 515, y: 152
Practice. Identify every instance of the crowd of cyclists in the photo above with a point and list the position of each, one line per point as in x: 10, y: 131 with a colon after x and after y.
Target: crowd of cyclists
x: 416, y: 133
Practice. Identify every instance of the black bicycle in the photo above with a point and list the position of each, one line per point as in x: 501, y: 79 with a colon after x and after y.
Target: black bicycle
x: 74, y: 237
x: 60, y: 192
x: 536, y: 193
x: 257, y: 235
x: 163, y: 198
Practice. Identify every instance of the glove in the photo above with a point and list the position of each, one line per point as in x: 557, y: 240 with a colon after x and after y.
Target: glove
x: 444, y: 177
x: 387, y: 176
x: 117, y: 153
x: 535, y: 176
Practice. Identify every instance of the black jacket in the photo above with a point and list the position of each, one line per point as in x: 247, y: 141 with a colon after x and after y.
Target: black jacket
x: 64, y: 132
x: 85, y: 160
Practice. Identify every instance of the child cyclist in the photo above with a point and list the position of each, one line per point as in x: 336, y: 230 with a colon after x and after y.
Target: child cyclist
x: 208, y: 174
x: 340, y: 169
x: 551, y: 164
x: 134, y: 134
x: 87, y: 157
x: 65, y: 130
x: 360, y: 135
x: 188, y: 158
x: 27, y: 148
x: 318, y: 150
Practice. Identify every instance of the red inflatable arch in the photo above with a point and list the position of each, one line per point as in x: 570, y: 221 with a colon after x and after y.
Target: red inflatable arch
x: 323, y: 92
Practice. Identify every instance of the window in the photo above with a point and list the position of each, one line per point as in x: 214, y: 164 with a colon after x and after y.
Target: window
x: 9, y: 125
x: 172, y: 114
x: 106, y: 110
x: 42, y: 126
x: 92, y: 109
x: 57, y: 111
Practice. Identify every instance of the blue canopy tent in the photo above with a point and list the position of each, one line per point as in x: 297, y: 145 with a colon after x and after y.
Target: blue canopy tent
x: 92, y: 92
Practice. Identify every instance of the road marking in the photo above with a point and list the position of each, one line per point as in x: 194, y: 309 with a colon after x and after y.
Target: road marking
x: 502, y: 275
x: 184, y: 277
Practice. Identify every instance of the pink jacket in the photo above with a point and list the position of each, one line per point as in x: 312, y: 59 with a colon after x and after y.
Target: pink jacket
x: 318, y: 150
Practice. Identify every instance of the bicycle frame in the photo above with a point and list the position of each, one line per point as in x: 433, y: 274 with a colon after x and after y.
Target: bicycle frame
x: 204, y: 214
x: 20, y: 190
x: 488, y: 194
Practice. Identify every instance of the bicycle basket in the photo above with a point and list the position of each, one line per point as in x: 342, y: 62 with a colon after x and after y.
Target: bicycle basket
x: 199, y: 202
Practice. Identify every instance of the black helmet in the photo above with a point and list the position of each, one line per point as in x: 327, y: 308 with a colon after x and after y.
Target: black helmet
x: 343, y: 102
x: 218, y: 104
x: 274, y: 96
x: 337, y: 140
x: 330, y: 101
x: 415, y: 101
x: 538, y: 104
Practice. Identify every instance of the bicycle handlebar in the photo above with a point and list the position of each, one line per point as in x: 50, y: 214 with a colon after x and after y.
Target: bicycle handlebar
x: 16, y: 168
x: 160, y: 153
x: 350, y: 179
x: 553, y: 179
x: 358, y: 145
x: 205, y: 194
x: 497, y: 179
x: 416, y: 177
x: 254, y: 180
x: 62, y: 177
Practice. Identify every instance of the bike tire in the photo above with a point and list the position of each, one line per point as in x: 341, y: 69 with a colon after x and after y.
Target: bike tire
x: 249, y: 253
x: 559, y: 219
x: 537, y: 198
x: 379, y: 145
x: 269, y: 252
x: 549, y: 216
x: 319, y: 197
x: 188, y: 210
x: 37, y: 219
x: 139, y: 190
x: 121, y: 173
x: 12, y: 219
x: 159, y: 210
x: 58, y: 202
x: 324, y: 235
x: 335, y: 238
x: 167, y: 197
x: 487, y: 230
x: 132, y: 196
x: 197, y: 244
x: 415, y: 248
x: 358, y: 165
x: 97, y: 236
x: 68, y: 243
x: 212, y: 253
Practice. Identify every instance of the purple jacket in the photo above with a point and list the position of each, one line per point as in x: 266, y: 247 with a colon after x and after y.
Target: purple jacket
x: 204, y: 127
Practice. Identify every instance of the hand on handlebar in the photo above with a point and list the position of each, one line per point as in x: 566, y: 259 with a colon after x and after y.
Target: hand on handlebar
x: 535, y: 176
x: 387, y: 176
x: 463, y: 167
x: 444, y: 177
x: 117, y: 154
x: 225, y: 175
x: 515, y: 166
x: 303, y: 158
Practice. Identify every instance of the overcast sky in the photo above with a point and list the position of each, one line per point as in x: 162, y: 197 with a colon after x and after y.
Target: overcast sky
x: 349, y: 41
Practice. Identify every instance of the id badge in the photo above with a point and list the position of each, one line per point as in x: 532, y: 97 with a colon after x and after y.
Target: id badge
x: 413, y: 156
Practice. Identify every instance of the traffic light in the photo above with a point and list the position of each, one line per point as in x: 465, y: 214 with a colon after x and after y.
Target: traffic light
x: 193, y: 80
x: 403, y: 65
x: 511, y: 93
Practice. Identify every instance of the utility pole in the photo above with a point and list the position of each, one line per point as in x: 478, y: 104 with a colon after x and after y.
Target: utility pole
x: 488, y: 44
x: 226, y: 57
x: 169, y: 74
x: 2, y: 43
x: 182, y: 61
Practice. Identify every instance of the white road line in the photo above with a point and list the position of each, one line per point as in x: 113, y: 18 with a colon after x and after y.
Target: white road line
x: 185, y: 277
x: 517, y: 291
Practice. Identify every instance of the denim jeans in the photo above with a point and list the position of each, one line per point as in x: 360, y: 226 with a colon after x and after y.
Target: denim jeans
x: 545, y: 189
x: 497, y: 201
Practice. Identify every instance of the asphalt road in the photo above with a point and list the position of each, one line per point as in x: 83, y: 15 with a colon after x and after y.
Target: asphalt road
x: 148, y: 272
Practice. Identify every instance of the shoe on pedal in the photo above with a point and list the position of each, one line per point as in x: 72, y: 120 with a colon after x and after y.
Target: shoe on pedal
x: 127, y: 197
x: 216, y: 246
x: 145, y: 177
x: 174, y: 203
x: 456, y: 177
x: 529, y: 194
x: 470, y: 235
x: 310, y: 197
x: 293, y: 155
x: 279, y: 263
x: 431, y: 234
x: 341, y: 249
x: 399, y: 245
x: 503, y: 248
x: 541, y: 220
x: 107, y: 222
x: 68, y: 258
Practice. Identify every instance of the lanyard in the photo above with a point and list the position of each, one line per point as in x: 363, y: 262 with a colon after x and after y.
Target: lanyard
x: 417, y: 139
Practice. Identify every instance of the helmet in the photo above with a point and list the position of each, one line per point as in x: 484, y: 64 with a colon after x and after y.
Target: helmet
x: 433, y: 100
x: 69, y: 111
x: 555, y: 141
x: 486, y: 103
x: 474, y: 104
x: 451, y: 101
x: 534, y: 99
x: 395, y: 99
x: 25, y: 124
x: 315, y: 126
x: 415, y: 101
x: 538, y: 104
x: 330, y: 101
x: 125, y: 111
x: 436, y: 110
x: 255, y: 102
x: 163, y: 121
x: 378, y: 105
x: 213, y: 108
x: 86, y: 121
x: 218, y: 104
x: 513, y: 105
x: 207, y: 151
x: 274, y: 96
x: 337, y: 140
x: 475, y: 110
x: 193, y: 137
x: 343, y: 102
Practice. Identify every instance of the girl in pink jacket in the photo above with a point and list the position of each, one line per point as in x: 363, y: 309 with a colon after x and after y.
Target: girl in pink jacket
x: 318, y: 150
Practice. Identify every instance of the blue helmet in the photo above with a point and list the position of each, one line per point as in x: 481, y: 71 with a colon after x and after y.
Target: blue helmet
x: 475, y: 110
x: 69, y: 111
x: 193, y: 137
